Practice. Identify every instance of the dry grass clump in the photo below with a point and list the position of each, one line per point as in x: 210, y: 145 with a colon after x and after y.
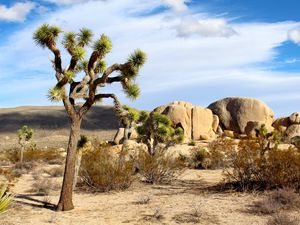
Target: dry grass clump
x: 159, y: 168
x: 282, y: 219
x: 282, y: 199
x: 44, y: 187
x: 157, y: 216
x: 57, y: 171
x: 103, y: 171
x: 143, y: 200
x: 195, y: 216
x: 32, y: 154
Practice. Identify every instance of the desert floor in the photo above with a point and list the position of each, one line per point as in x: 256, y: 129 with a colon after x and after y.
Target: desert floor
x: 189, y: 200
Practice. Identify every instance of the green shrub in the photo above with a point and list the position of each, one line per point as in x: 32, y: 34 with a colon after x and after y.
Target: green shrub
x: 103, y: 171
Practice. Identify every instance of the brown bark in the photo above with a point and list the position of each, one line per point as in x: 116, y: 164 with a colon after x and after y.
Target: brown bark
x: 65, y: 202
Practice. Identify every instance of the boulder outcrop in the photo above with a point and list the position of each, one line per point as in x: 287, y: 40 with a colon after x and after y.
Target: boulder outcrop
x: 197, y: 122
x: 288, y: 126
x: 236, y: 112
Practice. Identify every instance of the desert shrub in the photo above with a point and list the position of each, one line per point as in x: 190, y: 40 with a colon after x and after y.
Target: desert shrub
x: 159, y: 168
x: 57, y: 171
x: 260, y: 164
x: 11, y: 173
x: 282, y: 199
x: 296, y: 141
x: 282, y: 219
x: 32, y: 154
x: 101, y: 170
x: 221, y: 153
x: 5, y: 199
x: 198, y: 159
x: 44, y: 187
x: 272, y: 168
x: 143, y: 200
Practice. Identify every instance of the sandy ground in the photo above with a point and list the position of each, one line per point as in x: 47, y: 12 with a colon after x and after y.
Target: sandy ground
x: 169, y: 204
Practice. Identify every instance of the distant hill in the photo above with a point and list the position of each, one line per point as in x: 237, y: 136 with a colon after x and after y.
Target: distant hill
x: 99, y: 118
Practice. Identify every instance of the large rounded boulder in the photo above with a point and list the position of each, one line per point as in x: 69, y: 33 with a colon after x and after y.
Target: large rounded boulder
x: 236, y: 112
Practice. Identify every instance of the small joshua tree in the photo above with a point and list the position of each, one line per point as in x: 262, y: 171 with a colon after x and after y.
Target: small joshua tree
x: 157, y: 129
x: 96, y: 76
x: 131, y: 117
x: 24, y: 135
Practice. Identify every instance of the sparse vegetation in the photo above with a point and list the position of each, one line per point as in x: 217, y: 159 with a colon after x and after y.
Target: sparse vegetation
x: 44, y: 186
x: 143, y: 200
x: 273, y: 202
x: 158, y: 168
x: 282, y: 219
x: 56, y: 171
x: 102, y: 171
x: 259, y: 164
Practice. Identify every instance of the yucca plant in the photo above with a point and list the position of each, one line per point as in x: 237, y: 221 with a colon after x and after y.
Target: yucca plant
x: 5, y: 199
x: 95, y: 74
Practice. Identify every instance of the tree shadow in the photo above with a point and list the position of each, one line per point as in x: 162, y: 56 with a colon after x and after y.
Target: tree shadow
x: 29, y: 200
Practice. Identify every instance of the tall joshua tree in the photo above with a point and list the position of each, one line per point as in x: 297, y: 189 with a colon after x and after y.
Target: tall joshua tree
x: 96, y: 76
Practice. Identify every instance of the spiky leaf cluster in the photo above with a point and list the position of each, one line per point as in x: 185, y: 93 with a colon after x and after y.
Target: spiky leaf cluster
x: 78, y: 53
x: 70, y: 75
x: 56, y: 94
x: 84, y: 37
x: 132, y: 114
x: 132, y: 91
x: 25, y: 133
x: 82, y: 142
x: 69, y: 40
x: 100, y: 67
x: 143, y: 116
x: 137, y: 59
x: 103, y: 45
x: 46, y: 35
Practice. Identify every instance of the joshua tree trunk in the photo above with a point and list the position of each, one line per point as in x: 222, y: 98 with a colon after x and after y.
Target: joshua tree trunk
x: 65, y: 202
x: 22, y: 155
x: 126, y: 132
x: 77, y: 166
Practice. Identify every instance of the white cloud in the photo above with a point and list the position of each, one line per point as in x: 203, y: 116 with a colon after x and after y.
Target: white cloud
x: 68, y: 2
x: 294, y: 35
x: 17, y: 12
x: 176, y: 5
x: 205, y: 28
x: 195, y: 69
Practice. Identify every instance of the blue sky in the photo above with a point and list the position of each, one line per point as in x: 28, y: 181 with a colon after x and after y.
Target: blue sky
x: 198, y: 50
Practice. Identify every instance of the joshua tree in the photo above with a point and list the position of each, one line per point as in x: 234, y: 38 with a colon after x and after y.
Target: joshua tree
x: 158, y: 128
x: 24, y: 135
x: 96, y: 76
x: 130, y: 117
